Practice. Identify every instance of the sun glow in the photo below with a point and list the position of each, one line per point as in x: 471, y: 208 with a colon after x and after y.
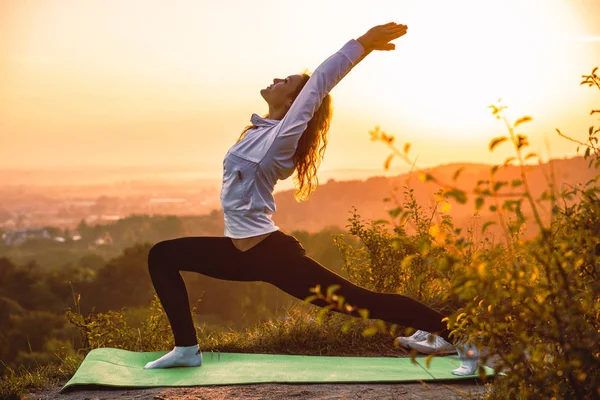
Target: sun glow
x: 91, y: 80
x: 460, y: 57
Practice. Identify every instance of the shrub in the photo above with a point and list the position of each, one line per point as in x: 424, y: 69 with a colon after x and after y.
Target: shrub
x: 535, y: 304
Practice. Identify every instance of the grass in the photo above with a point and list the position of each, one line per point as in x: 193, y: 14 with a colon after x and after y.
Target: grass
x: 299, y: 332
x: 296, y: 332
x: 25, y: 380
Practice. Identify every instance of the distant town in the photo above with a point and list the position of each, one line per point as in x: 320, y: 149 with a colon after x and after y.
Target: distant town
x: 25, y: 211
x: 32, y: 200
x: 16, y: 237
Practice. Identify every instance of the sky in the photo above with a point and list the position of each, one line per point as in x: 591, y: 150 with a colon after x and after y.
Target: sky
x: 151, y: 83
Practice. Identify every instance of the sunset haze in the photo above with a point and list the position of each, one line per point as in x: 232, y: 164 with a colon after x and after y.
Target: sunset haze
x: 149, y: 83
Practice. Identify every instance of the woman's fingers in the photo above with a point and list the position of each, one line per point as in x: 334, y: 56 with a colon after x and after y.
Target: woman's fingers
x: 394, y: 30
x: 395, y: 26
x: 387, y: 46
x: 396, y: 33
x: 398, y: 28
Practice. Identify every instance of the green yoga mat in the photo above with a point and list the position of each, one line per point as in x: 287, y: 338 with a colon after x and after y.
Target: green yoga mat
x: 116, y: 367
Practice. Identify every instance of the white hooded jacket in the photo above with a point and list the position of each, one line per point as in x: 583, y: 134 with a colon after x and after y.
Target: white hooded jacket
x: 253, y: 166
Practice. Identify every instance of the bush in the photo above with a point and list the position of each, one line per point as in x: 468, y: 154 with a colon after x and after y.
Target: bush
x: 533, y: 303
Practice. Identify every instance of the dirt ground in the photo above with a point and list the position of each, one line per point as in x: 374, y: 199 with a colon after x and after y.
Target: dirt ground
x: 471, y: 389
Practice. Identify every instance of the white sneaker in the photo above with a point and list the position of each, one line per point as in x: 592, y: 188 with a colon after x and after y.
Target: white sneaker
x: 433, y: 345
x: 469, y: 360
x: 415, y: 337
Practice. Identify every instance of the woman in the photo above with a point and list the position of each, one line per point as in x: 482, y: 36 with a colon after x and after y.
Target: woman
x: 292, y: 138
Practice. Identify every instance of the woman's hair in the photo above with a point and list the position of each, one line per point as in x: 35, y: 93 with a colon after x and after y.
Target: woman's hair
x: 311, y: 146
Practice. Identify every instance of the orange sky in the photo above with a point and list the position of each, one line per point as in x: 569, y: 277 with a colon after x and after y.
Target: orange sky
x: 100, y: 82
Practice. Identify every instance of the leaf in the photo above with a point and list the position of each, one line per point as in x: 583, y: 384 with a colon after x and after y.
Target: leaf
x: 496, y: 141
x: 457, y: 173
x: 428, y: 360
x: 340, y: 302
x: 331, y: 289
x: 522, y: 141
x: 426, y: 177
x: 495, y: 169
x: 407, y: 261
x: 363, y: 312
x: 406, y: 148
x: 530, y: 155
x: 370, y: 331
x: 374, y: 133
x: 497, y: 109
x: 322, y: 313
x: 459, y: 195
x: 388, y: 160
x: 479, y: 203
x: 508, y: 161
x: 381, y: 326
x: 387, y: 138
x: 346, y: 326
x: 481, y: 269
x: 498, y: 185
x: 516, y: 183
x: 311, y: 298
x: 394, y: 212
x: 381, y: 222
x: 482, y: 373
x: 522, y: 120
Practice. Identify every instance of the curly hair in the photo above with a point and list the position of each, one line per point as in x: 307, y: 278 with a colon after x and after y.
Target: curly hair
x: 311, y: 146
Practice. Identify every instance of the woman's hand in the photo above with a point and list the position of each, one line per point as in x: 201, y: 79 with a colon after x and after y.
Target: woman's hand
x: 379, y: 37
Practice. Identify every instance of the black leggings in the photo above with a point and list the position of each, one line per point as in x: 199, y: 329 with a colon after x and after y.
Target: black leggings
x: 279, y: 260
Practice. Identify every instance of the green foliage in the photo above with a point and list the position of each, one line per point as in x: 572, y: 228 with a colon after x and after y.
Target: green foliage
x: 536, y: 305
x: 533, y: 304
x: 122, y: 281
x: 398, y: 262
x: 302, y: 330
x: 297, y: 331
x: 112, y: 329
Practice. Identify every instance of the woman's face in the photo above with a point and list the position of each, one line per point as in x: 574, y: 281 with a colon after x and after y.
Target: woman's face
x: 281, y: 92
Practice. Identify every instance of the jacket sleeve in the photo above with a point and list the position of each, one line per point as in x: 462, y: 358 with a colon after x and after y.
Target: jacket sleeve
x: 323, y: 79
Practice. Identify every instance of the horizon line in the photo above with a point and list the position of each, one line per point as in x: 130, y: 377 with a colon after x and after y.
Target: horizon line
x: 196, y: 165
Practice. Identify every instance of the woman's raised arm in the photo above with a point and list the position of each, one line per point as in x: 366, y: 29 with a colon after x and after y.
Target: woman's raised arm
x: 322, y: 80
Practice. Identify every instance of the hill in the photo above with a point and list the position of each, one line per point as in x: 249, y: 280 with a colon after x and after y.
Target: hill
x: 332, y: 202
